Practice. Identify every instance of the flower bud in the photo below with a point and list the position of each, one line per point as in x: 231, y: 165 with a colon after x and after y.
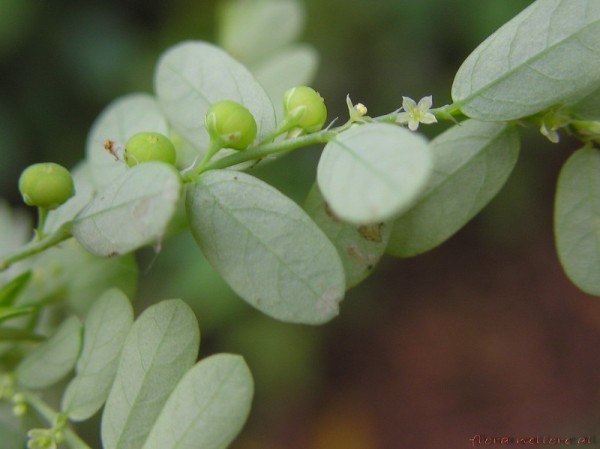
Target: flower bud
x: 149, y: 146
x: 230, y: 124
x: 46, y: 185
x: 305, y: 108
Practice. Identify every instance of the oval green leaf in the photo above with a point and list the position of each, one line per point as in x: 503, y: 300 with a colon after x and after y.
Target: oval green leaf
x: 120, y: 120
x: 549, y: 54
x: 359, y: 247
x: 208, y: 408
x: 104, y: 332
x: 160, y: 348
x: 373, y: 172
x: 133, y: 211
x: 588, y: 108
x: 193, y: 75
x: 293, y: 66
x: 472, y: 161
x: 252, y: 31
x: 53, y: 359
x: 266, y: 248
x: 577, y: 219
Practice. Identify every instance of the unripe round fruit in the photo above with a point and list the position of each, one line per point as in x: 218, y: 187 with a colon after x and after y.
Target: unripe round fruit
x: 314, y: 113
x: 149, y: 146
x: 46, y: 185
x: 230, y: 124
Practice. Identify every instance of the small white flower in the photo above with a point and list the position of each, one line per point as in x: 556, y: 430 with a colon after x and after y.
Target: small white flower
x: 416, y: 113
x: 357, y: 111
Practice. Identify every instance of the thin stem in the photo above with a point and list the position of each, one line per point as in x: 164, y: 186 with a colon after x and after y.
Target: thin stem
x: 268, y: 149
x: 39, y: 231
x: 387, y: 118
x: 448, y: 112
x: 52, y: 416
x: 213, y: 148
x: 264, y: 149
x: 288, y: 123
x: 36, y: 246
x: 281, y: 128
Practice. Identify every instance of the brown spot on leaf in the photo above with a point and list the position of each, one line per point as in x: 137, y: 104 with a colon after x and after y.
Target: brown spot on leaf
x: 371, y: 232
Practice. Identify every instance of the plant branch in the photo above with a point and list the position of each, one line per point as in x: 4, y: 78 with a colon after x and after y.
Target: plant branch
x: 36, y: 246
x: 268, y: 149
x: 52, y: 416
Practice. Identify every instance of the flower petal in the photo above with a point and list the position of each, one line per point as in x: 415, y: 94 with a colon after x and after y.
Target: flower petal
x: 425, y: 103
x: 413, y: 124
x: 428, y: 118
x: 349, y: 102
x: 408, y: 104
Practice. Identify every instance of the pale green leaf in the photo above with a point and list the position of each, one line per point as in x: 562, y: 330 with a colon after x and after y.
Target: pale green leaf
x: 359, y: 247
x: 86, y: 276
x: 588, y: 108
x: 133, y: 211
x: 84, y: 192
x: 208, y: 408
x: 192, y: 75
x: 293, y: 66
x: 548, y: 54
x: 577, y: 219
x: 252, y: 30
x: 266, y: 248
x: 104, y: 332
x: 373, y: 172
x: 472, y: 161
x: 160, y: 348
x: 54, y: 359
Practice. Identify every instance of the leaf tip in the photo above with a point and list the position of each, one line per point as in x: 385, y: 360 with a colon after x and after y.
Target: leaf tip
x: 328, y: 304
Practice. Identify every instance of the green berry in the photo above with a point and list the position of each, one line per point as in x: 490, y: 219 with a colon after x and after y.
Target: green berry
x: 46, y: 185
x: 230, y: 124
x: 149, y: 146
x: 304, y: 107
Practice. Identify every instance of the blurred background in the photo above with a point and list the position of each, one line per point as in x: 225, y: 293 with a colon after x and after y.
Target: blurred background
x: 483, y: 335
